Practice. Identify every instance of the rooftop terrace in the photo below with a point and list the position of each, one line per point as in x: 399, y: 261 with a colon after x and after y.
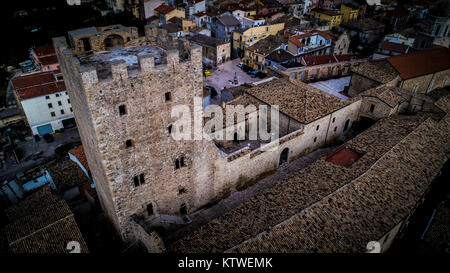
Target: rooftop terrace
x: 102, y: 60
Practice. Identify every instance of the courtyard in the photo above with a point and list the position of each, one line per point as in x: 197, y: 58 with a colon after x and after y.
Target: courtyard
x: 223, y: 76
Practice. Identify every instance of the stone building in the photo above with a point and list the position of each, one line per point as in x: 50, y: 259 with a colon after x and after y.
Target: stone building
x: 122, y: 100
x: 215, y: 52
x: 117, y: 96
x: 418, y: 72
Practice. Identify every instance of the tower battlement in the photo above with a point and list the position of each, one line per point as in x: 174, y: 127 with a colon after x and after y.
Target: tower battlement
x: 122, y: 99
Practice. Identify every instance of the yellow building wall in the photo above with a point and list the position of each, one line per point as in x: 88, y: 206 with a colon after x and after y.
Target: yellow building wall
x: 335, y: 21
x: 175, y: 13
x: 349, y: 14
x: 259, y: 33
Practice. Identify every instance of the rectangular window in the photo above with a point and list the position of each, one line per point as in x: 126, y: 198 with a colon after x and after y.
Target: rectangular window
x: 71, y: 109
x: 68, y: 101
x: 372, y: 108
x: 139, y: 180
x: 129, y: 143
x: 167, y: 96
x: 317, y: 128
x: 122, y: 110
x: 150, y: 209
x: 50, y: 105
x: 52, y: 114
x: 57, y: 95
x: 315, y: 139
x: 47, y: 97
x: 59, y: 103
x: 62, y: 112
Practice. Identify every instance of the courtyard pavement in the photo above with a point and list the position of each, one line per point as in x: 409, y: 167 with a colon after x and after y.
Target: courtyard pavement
x: 333, y: 87
x: 223, y: 76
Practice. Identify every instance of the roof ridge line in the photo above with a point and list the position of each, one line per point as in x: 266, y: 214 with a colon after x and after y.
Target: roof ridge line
x: 313, y: 205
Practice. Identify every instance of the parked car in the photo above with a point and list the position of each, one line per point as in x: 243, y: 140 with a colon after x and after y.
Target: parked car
x: 246, y: 68
x: 206, y: 72
x: 49, y: 138
x: 254, y: 72
x: 240, y: 65
x: 259, y: 75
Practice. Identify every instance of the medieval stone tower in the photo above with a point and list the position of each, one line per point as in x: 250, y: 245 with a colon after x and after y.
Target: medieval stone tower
x: 123, y: 87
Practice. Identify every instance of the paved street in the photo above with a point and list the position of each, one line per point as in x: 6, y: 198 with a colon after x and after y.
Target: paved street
x: 30, y: 147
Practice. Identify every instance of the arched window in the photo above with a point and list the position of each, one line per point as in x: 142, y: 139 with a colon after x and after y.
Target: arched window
x: 284, y: 156
x: 113, y: 41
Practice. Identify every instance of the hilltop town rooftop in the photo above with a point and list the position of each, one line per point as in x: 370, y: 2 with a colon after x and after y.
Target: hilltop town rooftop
x: 102, y: 60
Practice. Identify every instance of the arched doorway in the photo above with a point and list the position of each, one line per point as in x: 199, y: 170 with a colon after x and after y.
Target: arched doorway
x: 284, y: 156
x: 113, y: 41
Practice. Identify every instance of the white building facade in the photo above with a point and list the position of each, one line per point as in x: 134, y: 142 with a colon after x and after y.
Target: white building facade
x: 47, y: 114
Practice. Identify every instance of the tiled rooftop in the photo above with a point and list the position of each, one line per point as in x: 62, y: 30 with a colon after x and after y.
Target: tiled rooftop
x: 47, y: 230
x: 40, y: 199
x: 317, y: 231
x: 421, y: 63
x: 38, y: 84
x: 267, y: 45
x: 78, y: 152
x: 389, y: 94
x: 299, y: 101
x: 368, y: 207
x: 379, y: 71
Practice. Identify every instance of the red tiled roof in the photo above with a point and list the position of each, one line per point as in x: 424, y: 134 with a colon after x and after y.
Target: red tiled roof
x: 319, y: 59
x: 324, y: 35
x: 396, y: 47
x: 164, y: 9
x: 152, y: 18
x: 325, y: 59
x: 78, y: 152
x: 296, y: 42
x: 44, y: 50
x: 421, y: 63
x: 304, y: 35
x: 41, y: 90
x: 33, y: 79
x: 343, y: 157
x: 49, y: 60
x: 200, y: 14
x: 36, y: 85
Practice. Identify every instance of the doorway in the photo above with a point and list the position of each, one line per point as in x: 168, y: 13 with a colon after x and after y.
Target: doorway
x: 284, y: 156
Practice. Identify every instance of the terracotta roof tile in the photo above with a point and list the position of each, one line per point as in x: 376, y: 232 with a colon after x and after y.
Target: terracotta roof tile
x: 299, y: 101
x: 78, y: 152
x: 363, y: 211
x: 164, y: 9
x: 421, y: 63
x: 44, y: 50
x: 396, y: 47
